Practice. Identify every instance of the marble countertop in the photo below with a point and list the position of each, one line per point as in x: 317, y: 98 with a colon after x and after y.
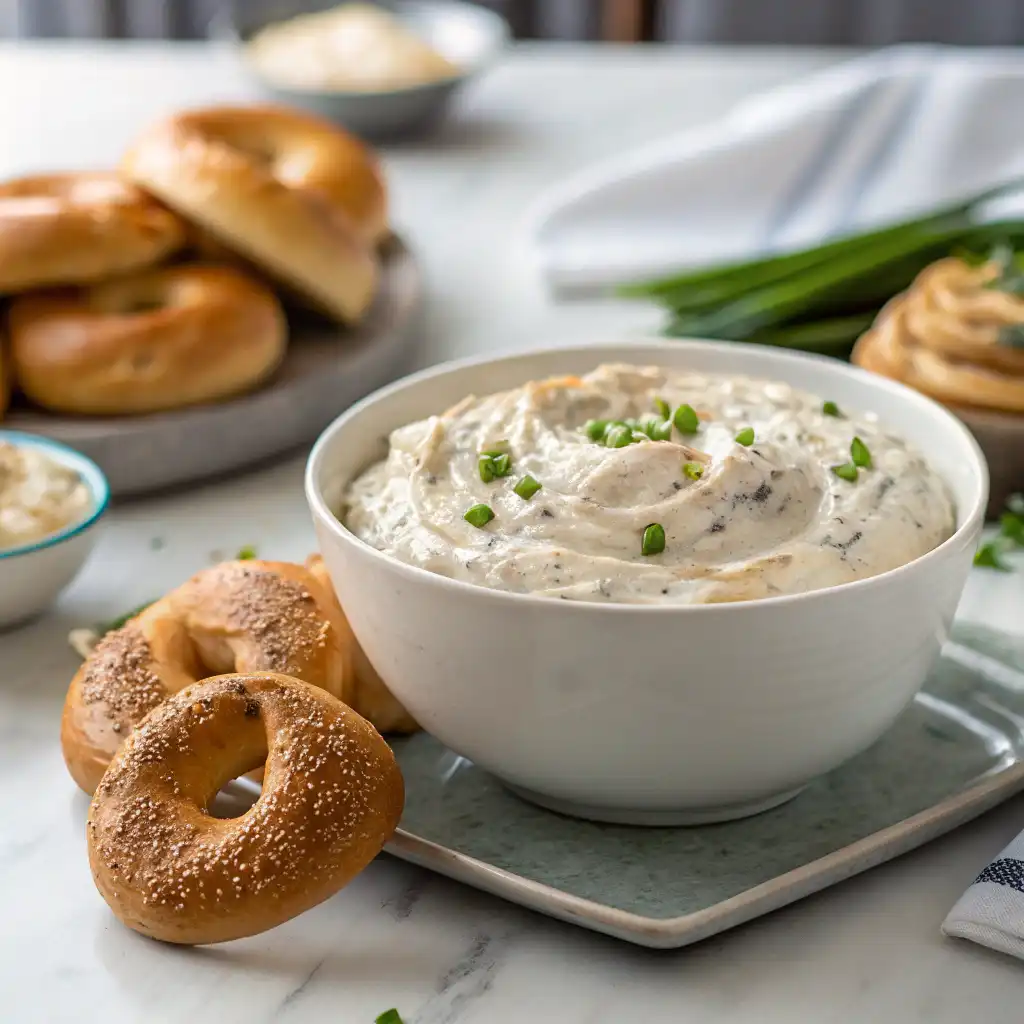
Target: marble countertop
x: 869, y: 949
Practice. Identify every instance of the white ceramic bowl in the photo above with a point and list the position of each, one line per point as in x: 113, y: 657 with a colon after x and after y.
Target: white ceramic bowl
x: 656, y: 715
x: 32, y: 576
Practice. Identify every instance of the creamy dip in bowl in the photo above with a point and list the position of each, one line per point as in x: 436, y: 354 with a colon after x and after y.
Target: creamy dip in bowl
x: 706, y: 671
x: 782, y: 510
x: 51, y: 498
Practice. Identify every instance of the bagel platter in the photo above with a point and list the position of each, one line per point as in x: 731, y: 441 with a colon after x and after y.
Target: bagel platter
x: 235, y: 278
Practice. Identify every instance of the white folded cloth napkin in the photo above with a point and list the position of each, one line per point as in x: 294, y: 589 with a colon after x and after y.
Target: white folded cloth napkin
x: 991, y: 912
x: 869, y: 140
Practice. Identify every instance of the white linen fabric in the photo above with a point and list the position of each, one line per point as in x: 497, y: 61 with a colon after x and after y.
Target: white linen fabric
x: 867, y: 141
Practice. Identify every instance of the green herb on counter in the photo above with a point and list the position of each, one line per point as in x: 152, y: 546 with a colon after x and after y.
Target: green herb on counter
x: 102, y: 628
x: 1011, y: 536
x: 847, y: 471
x: 653, y: 542
x: 527, y: 487
x: 246, y: 553
x: 831, y: 409
x: 745, y: 437
x: 693, y: 470
x: 859, y: 454
x: 479, y: 516
x: 686, y: 419
x: 990, y: 556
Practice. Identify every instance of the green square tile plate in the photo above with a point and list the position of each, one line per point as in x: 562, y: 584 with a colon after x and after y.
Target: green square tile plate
x: 954, y: 753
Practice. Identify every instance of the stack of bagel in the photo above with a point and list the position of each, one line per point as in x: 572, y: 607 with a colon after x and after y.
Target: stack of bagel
x: 161, y: 285
x: 249, y: 667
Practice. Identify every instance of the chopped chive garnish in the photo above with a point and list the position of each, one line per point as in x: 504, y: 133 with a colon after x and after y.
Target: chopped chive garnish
x: 664, y: 410
x: 618, y: 436
x: 694, y: 470
x: 638, y: 435
x: 527, y: 487
x: 661, y: 431
x: 479, y: 516
x: 648, y: 423
x: 859, y: 453
x: 831, y: 409
x: 989, y: 556
x: 246, y: 553
x: 745, y: 437
x: 847, y: 471
x: 492, y: 464
x: 594, y: 429
x: 653, y: 542
x: 686, y: 420
x: 389, y: 1017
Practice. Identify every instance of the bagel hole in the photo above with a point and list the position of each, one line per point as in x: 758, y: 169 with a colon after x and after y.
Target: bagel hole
x: 234, y: 799
x: 239, y: 792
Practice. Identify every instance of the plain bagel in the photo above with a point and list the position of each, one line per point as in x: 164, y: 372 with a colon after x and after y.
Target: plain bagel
x: 332, y: 796
x: 159, y: 339
x: 294, y: 195
x: 248, y: 616
x: 78, y: 228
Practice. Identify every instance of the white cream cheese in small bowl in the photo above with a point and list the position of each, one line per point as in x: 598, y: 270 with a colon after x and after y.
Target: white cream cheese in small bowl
x: 51, y: 497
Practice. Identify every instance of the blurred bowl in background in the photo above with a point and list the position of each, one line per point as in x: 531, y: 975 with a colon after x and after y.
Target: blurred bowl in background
x: 469, y: 36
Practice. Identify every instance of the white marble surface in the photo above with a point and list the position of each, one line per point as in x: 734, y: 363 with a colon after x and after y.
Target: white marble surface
x: 867, y: 950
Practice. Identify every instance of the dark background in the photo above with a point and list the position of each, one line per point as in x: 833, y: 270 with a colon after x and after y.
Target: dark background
x: 813, y: 22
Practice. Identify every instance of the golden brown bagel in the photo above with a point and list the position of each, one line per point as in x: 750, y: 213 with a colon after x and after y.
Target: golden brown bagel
x: 944, y: 336
x: 246, y: 616
x: 159, y: 339
x: 78, y: 228
x: 293, y: 194
x: 332, y: 796
x: 364, y: 690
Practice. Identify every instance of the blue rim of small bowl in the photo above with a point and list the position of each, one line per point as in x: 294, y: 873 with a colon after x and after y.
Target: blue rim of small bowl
x: 91, y: 474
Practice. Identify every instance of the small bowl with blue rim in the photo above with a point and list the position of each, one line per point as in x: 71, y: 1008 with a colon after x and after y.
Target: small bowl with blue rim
x: 33, y: 575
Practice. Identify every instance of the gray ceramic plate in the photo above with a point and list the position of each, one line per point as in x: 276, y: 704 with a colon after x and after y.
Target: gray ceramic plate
x: 957, y: 751
x: 326, y: 369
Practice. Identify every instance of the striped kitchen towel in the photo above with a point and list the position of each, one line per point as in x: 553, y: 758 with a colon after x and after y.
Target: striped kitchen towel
x: 991, y: 912
x: 865, y: 141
